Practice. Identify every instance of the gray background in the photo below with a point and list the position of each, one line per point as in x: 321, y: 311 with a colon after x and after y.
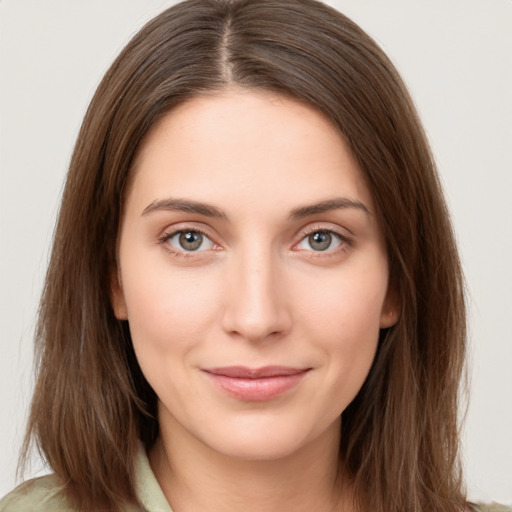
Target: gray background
x: 456, y: 57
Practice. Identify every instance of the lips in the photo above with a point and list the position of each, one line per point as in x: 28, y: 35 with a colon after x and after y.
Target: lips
x: 255, y: 384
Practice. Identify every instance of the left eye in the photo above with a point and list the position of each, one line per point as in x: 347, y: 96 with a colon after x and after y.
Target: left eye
x: 190, y: 241
x: 320, y: 241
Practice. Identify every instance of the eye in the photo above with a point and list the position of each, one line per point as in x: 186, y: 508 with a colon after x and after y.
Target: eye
x: 189, y: 241
x: 321, y: 240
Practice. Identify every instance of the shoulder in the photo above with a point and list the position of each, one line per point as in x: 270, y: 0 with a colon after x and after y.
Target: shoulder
x: 493, y: 507
x: 42, y: 494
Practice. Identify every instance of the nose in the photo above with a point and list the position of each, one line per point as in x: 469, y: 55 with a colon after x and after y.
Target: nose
x: 256, y: 308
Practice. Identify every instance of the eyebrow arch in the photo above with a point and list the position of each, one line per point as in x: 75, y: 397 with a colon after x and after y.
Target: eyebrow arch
x: 184, y: 205
x: 337, y: 203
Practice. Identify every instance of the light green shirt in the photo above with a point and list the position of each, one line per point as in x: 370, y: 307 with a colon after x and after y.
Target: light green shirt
x: 45, y: 495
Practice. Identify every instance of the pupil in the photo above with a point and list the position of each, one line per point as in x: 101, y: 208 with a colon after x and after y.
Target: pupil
x: 191, y: 240
x: 320, y: 241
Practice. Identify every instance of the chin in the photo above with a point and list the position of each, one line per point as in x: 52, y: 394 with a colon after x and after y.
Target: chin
x: 266, y: 439
x: 265, y: 448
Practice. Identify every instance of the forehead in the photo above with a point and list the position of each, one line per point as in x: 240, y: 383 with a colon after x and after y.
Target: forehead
x: 246, y: 144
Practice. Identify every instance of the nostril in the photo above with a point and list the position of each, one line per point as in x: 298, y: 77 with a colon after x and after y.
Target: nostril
x: 256, y: 325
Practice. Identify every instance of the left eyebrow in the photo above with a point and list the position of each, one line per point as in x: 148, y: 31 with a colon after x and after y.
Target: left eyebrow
x: 337, y: 203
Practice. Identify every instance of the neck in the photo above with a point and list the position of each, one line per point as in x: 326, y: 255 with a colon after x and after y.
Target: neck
x: 195, y: 477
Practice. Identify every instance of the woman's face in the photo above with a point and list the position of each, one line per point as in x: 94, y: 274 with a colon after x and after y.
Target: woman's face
x: 252, y: 272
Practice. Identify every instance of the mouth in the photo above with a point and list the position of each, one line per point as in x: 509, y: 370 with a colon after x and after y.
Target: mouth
x: 255, y: 384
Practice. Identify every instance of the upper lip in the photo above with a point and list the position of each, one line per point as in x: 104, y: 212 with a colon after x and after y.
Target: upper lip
x: 243, y: 372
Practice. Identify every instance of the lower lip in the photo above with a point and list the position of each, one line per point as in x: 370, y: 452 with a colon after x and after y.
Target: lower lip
x: 259, y: 389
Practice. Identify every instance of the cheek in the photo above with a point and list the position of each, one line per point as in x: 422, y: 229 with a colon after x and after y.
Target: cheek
x: 349, y: 302
x: 343, y: 319
x: 168, y: 308
x: 169, y: 313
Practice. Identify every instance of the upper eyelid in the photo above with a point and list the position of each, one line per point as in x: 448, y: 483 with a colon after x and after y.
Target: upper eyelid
x: 170, y: 231
x: 328, y: 227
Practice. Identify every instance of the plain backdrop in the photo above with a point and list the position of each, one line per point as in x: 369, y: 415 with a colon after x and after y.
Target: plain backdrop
x: 456, y: 57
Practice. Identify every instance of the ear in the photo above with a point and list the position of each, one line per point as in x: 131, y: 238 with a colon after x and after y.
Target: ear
x: 117, y: 296
x: 390, y: 313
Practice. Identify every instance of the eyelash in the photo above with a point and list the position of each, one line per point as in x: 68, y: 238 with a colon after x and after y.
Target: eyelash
x: 345, y: 241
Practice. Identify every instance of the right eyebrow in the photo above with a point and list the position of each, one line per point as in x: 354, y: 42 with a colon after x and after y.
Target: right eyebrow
x: 184, y: 205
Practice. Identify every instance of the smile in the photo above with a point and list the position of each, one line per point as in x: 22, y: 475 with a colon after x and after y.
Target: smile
x: 255, y: 384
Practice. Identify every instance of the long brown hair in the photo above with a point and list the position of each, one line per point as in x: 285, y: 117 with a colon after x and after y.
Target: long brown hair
x: 92, y: 404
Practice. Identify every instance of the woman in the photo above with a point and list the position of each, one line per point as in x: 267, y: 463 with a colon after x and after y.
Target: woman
x: 254, y: 299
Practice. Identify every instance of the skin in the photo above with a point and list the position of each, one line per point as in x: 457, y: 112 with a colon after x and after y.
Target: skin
x: 257, y: 292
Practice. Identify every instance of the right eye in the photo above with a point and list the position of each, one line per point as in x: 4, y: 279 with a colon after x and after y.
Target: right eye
x: 188, y: 240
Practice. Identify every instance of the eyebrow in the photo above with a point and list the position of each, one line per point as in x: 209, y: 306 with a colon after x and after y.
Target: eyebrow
x: 184, y: 205
x: 337, y: 203
x: 208, y: 210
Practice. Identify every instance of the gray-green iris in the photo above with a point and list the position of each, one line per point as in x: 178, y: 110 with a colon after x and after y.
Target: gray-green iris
x: 320, y: 240
x: 190, y: 240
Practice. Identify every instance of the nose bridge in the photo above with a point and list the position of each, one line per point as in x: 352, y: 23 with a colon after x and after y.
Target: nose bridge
x: 256, y: 305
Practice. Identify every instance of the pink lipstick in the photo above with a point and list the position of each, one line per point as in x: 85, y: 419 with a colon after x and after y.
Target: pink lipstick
x: 256, y: 384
